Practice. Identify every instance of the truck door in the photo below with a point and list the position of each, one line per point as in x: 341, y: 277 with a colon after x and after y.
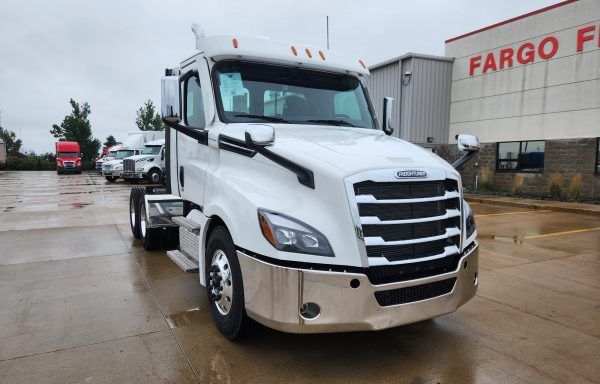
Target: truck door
x: 192, y: 155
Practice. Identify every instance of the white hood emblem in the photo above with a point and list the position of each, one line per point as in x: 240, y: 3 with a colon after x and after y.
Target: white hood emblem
x: 410, y: 173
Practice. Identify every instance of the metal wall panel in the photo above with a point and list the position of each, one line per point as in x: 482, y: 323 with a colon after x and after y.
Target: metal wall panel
x: 422, y: 100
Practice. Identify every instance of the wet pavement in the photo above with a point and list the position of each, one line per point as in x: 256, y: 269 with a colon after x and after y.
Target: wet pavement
x: 81, y: 301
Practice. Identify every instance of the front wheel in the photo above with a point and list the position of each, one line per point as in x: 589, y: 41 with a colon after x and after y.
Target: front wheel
x: 111, y: 178
x: 224, y: 286
x: 154, y: 176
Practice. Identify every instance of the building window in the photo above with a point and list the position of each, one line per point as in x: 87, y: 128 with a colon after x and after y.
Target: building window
x: 520, y: 156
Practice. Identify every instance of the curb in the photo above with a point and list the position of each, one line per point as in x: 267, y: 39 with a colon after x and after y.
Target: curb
x: 534, y: 205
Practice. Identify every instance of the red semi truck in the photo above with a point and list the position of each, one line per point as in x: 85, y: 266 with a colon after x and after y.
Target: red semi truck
x: 68, y: 157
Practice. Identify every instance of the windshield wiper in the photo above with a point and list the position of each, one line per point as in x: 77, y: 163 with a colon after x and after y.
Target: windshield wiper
x: 273, y: 119
x: 338, y: 123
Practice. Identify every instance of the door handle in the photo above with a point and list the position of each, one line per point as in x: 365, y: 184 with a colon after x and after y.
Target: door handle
x: 181, y: 179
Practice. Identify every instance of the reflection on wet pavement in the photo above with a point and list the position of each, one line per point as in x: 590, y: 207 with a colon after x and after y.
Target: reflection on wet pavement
x: 82, y: 301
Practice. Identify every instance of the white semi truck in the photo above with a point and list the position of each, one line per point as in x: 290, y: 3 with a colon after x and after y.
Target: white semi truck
x: 294, y: 203
x: 148, y: 165
x: 133, y: 145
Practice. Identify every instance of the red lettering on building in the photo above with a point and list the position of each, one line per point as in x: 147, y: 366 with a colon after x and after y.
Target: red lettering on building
x: 475, y: 63
x: 506, y: 57
x: 490, y: 63
x: 526, y: 53
x: 543, y: 52
x: 583, y: 36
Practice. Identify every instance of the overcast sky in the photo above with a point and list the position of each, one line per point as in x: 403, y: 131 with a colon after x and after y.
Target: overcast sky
x: 113, y: 53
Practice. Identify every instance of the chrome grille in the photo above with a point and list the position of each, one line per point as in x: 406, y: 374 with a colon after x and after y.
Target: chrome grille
x: 411, y: 229
x: 69, y: 164
x: 128, y: 165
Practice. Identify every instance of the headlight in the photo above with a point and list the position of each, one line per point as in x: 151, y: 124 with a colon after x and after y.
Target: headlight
x: 470, y: 219
x: 291, y: 235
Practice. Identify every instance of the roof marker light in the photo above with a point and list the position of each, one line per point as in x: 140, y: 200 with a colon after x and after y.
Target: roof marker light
x: 308, y: 53
x: 294, y: 50
x: 322, y: 55
x: 362, y: 63
x: 235, y: 43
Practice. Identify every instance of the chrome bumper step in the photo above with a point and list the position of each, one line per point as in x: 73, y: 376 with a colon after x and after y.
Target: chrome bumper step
x: 183, y: 261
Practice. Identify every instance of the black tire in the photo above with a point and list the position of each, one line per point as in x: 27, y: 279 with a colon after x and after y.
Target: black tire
x: 234, y: 324
x: 150, y: 237
x: 154, y: 176
x: 172, y: 238
x: 58, y: 172
x: 134, y: 210
x: 111, y: 178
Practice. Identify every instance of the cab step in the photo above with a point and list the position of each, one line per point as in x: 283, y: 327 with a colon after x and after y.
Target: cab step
x: 187, y: 224
x: 183, y: 261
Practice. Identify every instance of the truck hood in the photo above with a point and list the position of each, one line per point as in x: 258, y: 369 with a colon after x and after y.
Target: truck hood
x: 113, y: 162
x: 142, y: 157
x: 345, y: 150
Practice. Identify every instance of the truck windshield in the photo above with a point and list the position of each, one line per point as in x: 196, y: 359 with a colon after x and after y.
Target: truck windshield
x: 253, y: 92
x: 151, y: 151
x: 111, y: 154
x: 67, y: 154
x: 124, y: 153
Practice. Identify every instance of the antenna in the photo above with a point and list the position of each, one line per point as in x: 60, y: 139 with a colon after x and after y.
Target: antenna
x: 327, y: 32
x: 199, y: 33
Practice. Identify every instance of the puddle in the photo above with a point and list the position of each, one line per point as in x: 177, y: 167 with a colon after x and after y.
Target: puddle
x: 506, y: 239
x: 75, y: 193
x: 182, y: 318
x: 75, y: 205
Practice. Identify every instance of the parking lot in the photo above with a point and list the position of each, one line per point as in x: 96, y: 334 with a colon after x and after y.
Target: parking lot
x: 81, y: 301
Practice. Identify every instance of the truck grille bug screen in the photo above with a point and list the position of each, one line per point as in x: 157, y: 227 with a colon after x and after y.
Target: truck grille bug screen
x: 411, y: 229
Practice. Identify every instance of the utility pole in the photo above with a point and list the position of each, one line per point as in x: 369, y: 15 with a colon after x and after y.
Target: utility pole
x: 327, y: 32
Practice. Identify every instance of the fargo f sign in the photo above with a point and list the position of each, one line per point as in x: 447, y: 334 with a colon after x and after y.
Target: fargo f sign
x: 410, y: 173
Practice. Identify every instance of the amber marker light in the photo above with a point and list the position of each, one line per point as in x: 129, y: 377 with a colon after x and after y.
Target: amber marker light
x: 266, y: 229
x: 294, y: 50
x: 322, y: 55
x: 235, y: 43
x: 308, y: 53
x: 362, y: 63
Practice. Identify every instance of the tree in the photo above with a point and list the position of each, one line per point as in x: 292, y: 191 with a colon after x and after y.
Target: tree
x: 13, y: 145
x: 147, y: 118
x: 77, y: 127
x: 110, y: 141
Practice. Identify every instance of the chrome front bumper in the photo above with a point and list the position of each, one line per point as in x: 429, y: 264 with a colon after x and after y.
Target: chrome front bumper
x: 274, y: 295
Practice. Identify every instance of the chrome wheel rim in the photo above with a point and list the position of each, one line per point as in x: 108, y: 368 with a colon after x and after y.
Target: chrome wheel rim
x: 221, y: 282
x: 143, y: 219
x: 155, y: 177
x: 132, y: 213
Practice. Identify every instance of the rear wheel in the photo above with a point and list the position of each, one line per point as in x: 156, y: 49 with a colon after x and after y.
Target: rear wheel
x: 134, y: 210
x: 111, y: 178
x: 224, y: 285
x: 150, y: 236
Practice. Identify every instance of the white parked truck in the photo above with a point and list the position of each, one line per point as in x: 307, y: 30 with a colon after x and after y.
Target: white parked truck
x: 148, y: 165
x: 133, y: 145
x: 294, y: 203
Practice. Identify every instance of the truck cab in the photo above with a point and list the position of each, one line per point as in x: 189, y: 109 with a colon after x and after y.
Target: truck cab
x: 292, y: 201
x: 148, y: 165
x: 111, y: 154
x: 68, y: 157
x: 133, y: 145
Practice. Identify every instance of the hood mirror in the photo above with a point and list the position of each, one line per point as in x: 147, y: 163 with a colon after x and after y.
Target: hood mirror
x: 259, y: 135
x: 468, y: 143
x: 388, y: 104
x: 169, y: 108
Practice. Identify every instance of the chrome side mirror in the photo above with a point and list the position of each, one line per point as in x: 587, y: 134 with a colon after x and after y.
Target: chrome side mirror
x: 468, y: 143
x: 169, y: 100
x: 388, y: 104
x: 259, y: 135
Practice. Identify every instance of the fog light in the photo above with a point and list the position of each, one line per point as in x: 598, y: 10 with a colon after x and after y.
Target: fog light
x: 310, y: 311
